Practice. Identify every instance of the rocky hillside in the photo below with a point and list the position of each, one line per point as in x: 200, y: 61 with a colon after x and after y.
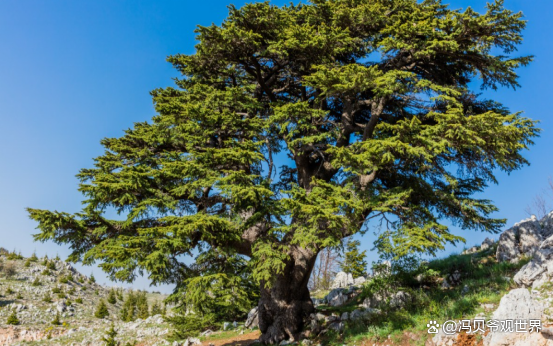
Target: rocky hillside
x: 48, y: 302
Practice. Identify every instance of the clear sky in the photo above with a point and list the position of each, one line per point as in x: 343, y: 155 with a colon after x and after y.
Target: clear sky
x: 74, y: 72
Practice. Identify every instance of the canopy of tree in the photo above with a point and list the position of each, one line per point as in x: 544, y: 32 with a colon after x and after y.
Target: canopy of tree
x: 293, y: 126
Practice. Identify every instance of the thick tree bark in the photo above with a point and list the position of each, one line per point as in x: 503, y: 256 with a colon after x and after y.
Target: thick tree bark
x: 286, y: 304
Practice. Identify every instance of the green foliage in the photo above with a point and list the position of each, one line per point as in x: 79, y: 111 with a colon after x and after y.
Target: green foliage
x: 101, y: 310
x: 109, y: 338
x: 51, y: 265
x: 79, y: 300
x: 47, y: 298
x: 135, y: 306
x: 156, y: 309
x: 56, y: 289
x: 63, y: 280
x: 232, y: 293
x: 36, y: 282
x: 27, y: 263
x: 46, y: 272
x: 92, y: 279
x: 71, y: 291
x: 354, y: 261
x: 376, y: 102
x: 12, y: 319
x: 9, y: 290
x: 112, y: 299
x: 19, y: 296
x: 33, y: 257
x: 56, y: 321
x: 45, y: 260
x: 12, y: 256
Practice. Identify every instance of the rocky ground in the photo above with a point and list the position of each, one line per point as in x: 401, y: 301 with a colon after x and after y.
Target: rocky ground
x: 25, y: 286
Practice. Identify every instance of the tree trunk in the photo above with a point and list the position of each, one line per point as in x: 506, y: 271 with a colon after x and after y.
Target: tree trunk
x: 286, y: 304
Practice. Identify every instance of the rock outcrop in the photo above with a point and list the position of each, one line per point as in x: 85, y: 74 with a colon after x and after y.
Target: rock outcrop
x: 524, y: 238
x: 342, y: 280
x: 517, y: 305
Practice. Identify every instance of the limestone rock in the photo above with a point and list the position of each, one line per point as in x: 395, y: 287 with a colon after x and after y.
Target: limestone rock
x: 253, y: 318
x: 538, y: 271
x: 342, y: 280
x: 524, y: 238
x: 518, y: 304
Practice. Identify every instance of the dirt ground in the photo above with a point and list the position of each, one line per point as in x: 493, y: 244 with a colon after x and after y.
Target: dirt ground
x: 238, y: 340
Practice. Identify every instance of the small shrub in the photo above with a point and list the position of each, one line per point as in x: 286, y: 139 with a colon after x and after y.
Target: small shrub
x: 56, y: 290
x: 47, y: 298
x: 156, y: 309
x: 96, y: 292
x: 36, y: 282
x: 71, y: 290
x: 56, y: 320
x: 46, y: 272
x: 63, y: 280
x: 57, y: 258
x: 33, y: 257
x: 92, y: 279
x: 27, y: 263
x: 62, y: 295
x: 111, y: 297
x: 70, y: 277
x: 51, y: 265
x: 19, y: 296
x: 45, y: 261
x: 101, y: 310
x: 12, y: 256
x: 9, y: 270
x: 79, y: 300
x: 9, y: 290
x: 81, y: 280
x: 12, y: 319
x: 109, y: 339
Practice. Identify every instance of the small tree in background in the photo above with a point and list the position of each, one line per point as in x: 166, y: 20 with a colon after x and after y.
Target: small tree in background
x: 156, y: 309
x: 109, y: 339
x: 56, y: 321
x: 142, y: 308
x: 111, y: 297
x: 92, y: 279
x: 12, y: 319
x: 102, y: 310
x: 354, y: 261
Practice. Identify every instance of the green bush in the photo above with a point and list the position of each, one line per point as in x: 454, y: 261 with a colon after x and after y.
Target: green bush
x: 102, y: 310
x: 56, y: 290
x: 111, y: 297
x: 51, y: 265
x: 47, y: 298
x: 19, y: 296
x: 46, y: 272
x: 9, y: 290
x: 33, y: 257
x: 63, y: 280
x: 27, y: 263
x: 79, y: 300
x: 92, y: 279
x: 36, y: 282
x: 56, y: 321
x: 12, y: 319
x: 109, y: 339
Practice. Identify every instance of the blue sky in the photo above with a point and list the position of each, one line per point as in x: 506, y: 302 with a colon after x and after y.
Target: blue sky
x: 74, y: 72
